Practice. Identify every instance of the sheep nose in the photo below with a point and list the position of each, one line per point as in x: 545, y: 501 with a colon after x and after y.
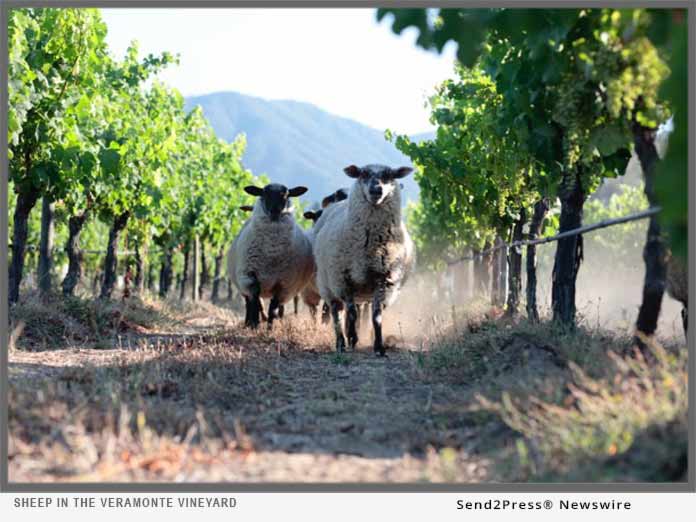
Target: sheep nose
x: 375, y: 191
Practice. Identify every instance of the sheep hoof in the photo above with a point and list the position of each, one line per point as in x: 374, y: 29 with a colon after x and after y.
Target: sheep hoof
x: 340, y: 345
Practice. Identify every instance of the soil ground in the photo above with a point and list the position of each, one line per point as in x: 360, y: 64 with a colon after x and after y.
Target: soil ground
x: 168, y: 392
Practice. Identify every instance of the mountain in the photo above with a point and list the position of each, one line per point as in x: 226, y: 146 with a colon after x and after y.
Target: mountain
x: 296, y: 143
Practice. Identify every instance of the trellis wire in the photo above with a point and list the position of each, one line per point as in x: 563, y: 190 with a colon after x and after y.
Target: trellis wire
x: 97, y: 252
x: 540, y: 241
x: 568, y: 233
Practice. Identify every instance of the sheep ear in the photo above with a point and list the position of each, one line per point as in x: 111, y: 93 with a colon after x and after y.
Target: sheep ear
x: 328, y: 200
x: 254, y: 191
x: 297, y: 191
x: 247, y: 208
x: 401, y: 172
x: 352, y: 171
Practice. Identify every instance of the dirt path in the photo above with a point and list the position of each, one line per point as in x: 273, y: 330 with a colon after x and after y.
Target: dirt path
x: 223, y: 404
x: 177, y: 392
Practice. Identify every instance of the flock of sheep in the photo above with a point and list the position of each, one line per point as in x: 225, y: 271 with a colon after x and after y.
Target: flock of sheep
x: 357, y: 252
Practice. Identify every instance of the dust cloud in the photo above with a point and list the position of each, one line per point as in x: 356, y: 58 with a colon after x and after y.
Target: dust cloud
x: 609, y: 293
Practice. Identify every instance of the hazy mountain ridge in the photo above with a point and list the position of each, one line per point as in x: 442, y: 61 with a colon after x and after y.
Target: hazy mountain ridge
x: 296, y: 143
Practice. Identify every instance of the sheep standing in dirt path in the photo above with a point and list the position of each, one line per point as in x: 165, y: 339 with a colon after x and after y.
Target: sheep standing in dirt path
x: 271, y: 257
x: 310, y: 294
x: 363, y: 251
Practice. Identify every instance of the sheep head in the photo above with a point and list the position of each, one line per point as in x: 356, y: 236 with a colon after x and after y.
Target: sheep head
x: 275, y: 198
x: 313, y: 216
x: 337, y: 196
x: 377, y: 182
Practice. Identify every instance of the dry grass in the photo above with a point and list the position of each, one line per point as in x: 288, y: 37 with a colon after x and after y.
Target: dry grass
x: 584, y: 405
x: 54, y: 321
x: 183, y: 393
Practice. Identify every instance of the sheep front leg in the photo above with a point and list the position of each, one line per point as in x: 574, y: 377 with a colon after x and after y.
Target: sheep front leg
x: 253, y: 303
x: 247, y: 315
x: 313, y: 312
x: 377, y: 325
x: 274, y: 310
x: 340, y: 340
x: 351, y: 330
x: 261, y: 312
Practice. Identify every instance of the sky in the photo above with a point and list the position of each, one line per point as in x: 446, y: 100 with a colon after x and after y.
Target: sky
x: 340, y: 60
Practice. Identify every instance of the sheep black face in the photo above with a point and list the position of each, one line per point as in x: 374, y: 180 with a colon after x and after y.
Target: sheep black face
x: 313, y: 216
x: 377, y: 181
x: 337, y: 196
x: 275, y: 198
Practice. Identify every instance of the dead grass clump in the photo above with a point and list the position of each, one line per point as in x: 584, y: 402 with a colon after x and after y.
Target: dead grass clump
x: 45, y: 324
x: 583, y: 405
x: 606, y: 428
x: 56, y: 321
x: 492, y: 350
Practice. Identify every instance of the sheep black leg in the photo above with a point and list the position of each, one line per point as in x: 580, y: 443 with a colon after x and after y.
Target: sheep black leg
x: 377, y: 326
x: 295, y: 302
x: 273, y: 310
x: 247, y: 315
x: 253, y: 305
x: 351, y: 316
x: 281, y: 311
x: 340, y: 340
x: 685, y: 321
x: 313, y: 312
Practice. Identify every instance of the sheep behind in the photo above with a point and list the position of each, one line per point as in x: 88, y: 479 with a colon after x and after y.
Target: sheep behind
x: 310, y: 294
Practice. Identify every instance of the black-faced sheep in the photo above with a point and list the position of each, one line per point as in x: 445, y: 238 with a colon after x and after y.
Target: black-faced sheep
x: 340, y: 195
x: 271, y: 257
x: 310, y: 294
x: 363, y: 251
x: 230, y: 269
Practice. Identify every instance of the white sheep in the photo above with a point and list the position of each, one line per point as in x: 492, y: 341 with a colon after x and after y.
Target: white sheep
x: 363, y: 251
x: 271, y: 257
x: 230, y: 266
x: 310, y: 294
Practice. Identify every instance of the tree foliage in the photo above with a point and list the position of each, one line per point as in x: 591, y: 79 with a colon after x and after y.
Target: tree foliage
x: 475, y: 178
x: 574, y: 80
x: 102, y: 137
